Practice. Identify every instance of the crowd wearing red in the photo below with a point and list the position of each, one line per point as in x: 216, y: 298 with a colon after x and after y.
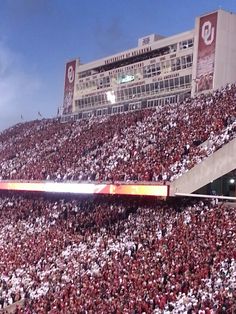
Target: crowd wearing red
x: 110, y: 254
x: 146, y: 145
x: 113, y: 255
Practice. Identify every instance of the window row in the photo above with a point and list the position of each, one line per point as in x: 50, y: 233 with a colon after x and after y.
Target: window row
x: 167, y: 66
x: 134, y: 59
x: 155, y: 69
x: 162, y: 101
x: 136, y: 92
x: 103, y: 82
x: 157, y: 102
x: 186, y: 44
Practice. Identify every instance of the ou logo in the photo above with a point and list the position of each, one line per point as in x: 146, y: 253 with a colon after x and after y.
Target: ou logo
x: 208, y: 33
x: 70, y: 74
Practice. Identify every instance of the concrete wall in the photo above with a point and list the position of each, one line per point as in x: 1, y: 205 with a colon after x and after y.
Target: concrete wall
x: 225, y: 61
x: 195, y: 55
x: 215, y: 166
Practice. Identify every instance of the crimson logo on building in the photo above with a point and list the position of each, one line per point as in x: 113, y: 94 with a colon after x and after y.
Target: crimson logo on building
x: 70, y: 74
x: 69, y: 87
x: 208, y: 33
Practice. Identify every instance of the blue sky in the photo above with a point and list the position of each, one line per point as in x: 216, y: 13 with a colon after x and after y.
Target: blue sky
x: 37, y: 37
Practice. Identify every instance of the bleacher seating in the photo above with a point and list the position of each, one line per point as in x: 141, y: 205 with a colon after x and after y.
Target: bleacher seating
x: 117, y: 255
x: 110, y: 254
x: 147, y: 145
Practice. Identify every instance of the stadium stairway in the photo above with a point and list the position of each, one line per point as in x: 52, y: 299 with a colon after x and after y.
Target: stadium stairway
x: 210, y: 169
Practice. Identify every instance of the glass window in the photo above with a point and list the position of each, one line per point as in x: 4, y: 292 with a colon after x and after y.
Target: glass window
x: 126, y: 92
x: 189, y: 60
x: 187, y: 79
x: 150, y: 103
x: 163, y: 65
x: 183, y: 61
x: 181, y: 81
x: 161, y: 85
x: 166, y: 82
x: 190, y: 42
x: 173, y: 48
x: 118, y: 94
x: 156, y: 86
x: 152, y: 87
x: 173, y: 65
x: 158, y: 69
x: 167, y: 65
x: 177, y: 82
x: 178, y: 64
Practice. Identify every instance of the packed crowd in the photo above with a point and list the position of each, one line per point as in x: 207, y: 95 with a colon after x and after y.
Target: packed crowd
x: 116, y: 255
x: 148, y: 145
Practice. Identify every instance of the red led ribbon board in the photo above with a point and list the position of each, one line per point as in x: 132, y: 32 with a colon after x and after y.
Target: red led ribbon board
x: 87, y: 188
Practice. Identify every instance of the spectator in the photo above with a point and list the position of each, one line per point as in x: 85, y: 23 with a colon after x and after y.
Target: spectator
x: 116, y: 255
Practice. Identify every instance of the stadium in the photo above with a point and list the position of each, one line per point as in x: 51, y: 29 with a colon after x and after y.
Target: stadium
x: 125, y: 202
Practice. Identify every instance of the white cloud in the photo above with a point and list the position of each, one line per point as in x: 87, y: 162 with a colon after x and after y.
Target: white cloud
x: 18, y: 87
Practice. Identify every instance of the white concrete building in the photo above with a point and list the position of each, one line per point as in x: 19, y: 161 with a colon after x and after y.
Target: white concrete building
x: 160, y: 70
